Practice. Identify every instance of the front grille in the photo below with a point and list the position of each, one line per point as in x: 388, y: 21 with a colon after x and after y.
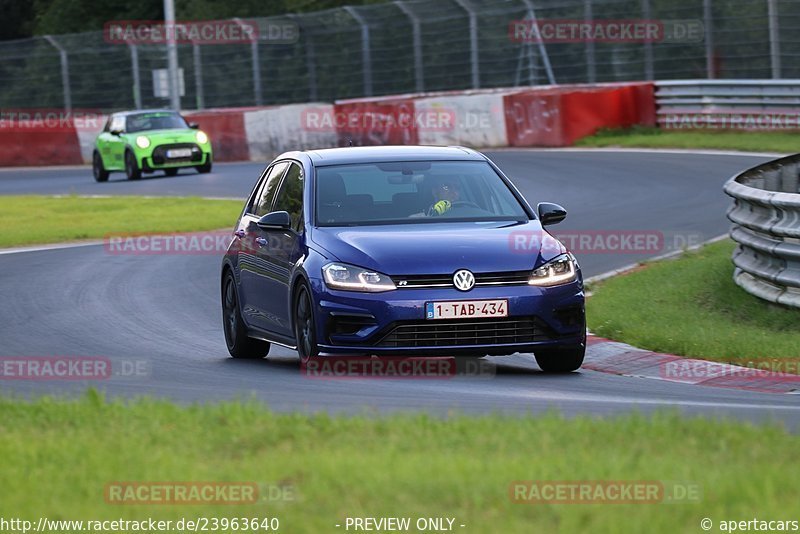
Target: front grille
x: 446, y: 280
x: 508, y: 330
x: 160, y: 153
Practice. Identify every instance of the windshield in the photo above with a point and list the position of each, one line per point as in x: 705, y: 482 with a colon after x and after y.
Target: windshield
x: 413, y: 192
x: 162, y: 120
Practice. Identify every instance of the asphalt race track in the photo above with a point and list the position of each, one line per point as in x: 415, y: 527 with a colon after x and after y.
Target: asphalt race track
x: 162, y: 312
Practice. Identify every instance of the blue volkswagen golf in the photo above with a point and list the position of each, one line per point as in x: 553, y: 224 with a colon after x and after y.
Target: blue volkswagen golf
x: 399, y: 250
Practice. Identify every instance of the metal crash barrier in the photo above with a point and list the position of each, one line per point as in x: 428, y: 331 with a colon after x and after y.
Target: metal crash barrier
x: 766, y: 219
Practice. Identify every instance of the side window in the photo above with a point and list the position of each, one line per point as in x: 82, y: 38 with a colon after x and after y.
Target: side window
x: 290, y: 196
x: 263, y: 202
x: 117, y: 124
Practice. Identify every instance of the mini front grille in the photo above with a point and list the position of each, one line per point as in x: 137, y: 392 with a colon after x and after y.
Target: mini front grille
x: 446, y: 280
x: 509, y: 330
x: 160, y: 153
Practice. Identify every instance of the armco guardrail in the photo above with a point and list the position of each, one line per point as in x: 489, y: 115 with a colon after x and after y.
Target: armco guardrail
x: 745, y: 104
x: 766, y: 218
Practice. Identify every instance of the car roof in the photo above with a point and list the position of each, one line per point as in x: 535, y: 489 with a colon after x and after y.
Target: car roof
x: 137, y: 111
x: 368, y: 154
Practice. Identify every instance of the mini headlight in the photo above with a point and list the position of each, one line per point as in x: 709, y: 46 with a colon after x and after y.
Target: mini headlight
x: 560, y: 270
x: 201, y: 137
x: 142, y: 141
x: 351, y: 278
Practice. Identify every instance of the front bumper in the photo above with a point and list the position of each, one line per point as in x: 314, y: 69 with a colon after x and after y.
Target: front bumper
x: 155, y: 157
x: 393, y: 322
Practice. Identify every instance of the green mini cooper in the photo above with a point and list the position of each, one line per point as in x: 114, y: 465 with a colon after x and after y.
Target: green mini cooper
x: 147, y: 141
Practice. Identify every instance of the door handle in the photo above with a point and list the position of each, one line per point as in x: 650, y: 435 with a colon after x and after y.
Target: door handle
x: 239, y: 233
x: 261, y: 241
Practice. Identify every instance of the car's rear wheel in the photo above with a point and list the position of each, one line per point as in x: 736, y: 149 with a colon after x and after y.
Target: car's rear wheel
x: 170, y: 172
x: 304, y: 331
x: 205, y: 167
x: 240, y: 345
x: 99, y: 171
x: 132, y: 170
x: 561, y: 360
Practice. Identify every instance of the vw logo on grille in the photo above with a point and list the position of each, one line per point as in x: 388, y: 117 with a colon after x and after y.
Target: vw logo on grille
x: 463, y: 280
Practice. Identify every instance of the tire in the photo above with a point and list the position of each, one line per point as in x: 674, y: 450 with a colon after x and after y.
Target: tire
x: 562, y: 360
x: 132, y: 170
x: 205, y: 168
x: 100, y: 172
x: 304, y: 325
x: 170, y: 172
x: 239, y: 344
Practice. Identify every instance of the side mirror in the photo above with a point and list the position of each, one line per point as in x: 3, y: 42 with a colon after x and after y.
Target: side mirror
x: 550, y: 213
x: 115, y: 132
x: 276, y: 220
x: 194, y: 125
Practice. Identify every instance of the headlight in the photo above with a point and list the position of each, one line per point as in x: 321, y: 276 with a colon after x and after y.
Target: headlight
x: 201, y: 137
x: 142, y: 141
x: 560, y: 270
x: 351, y: 278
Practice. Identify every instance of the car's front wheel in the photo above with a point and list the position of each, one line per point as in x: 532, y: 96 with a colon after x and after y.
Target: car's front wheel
x: 304, y: 331
x: 561, y: 360
x: 132, y: 170
x: 240, y: 345
x: 99, y: 171
x: 205, y: 167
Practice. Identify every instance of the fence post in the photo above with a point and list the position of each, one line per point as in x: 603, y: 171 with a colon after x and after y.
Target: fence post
x: 365, y: 48
x: 311, y: 58
x: 648, y: 46
x: 64, y: 71
x: 542, y: 50
x: 591, y: 70
x: 198, y: 76
x: 708, y: 22
x: 172, y: 56
x: 255, y: 64
x: 137, y: 82
x: 473, y: 43
x: 774, y: 39
x: 416, y: 37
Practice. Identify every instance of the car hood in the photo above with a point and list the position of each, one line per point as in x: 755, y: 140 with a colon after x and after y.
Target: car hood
x: 178, y: 135
x: 441, y: 248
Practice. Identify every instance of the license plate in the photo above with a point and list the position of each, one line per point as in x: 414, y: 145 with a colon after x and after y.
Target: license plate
x: 466, y: 309
x: 179, y: 153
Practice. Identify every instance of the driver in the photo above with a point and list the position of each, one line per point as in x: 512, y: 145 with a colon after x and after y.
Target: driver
x: 445, y: 193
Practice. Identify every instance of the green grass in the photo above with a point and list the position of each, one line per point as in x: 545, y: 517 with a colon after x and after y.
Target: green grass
x: 691, y: 307
x: 30, y: 219
x: 59, y: 455
x: 782, y: 142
